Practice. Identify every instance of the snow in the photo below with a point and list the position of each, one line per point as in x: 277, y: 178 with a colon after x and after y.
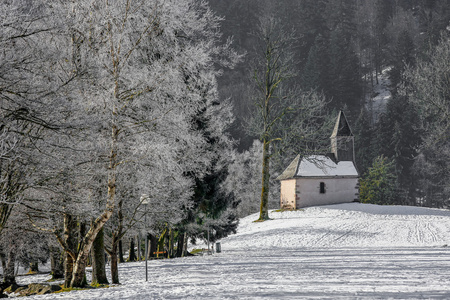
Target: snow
x: 344, y: 251
x: 320, y: 165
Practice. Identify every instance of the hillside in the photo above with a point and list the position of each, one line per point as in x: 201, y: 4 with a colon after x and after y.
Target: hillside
x: 345, y: 225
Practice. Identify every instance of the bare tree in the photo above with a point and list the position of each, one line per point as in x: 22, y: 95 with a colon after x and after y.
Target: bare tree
x: 283, y: 113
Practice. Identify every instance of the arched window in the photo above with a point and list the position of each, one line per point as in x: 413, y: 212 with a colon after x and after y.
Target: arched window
x: 322, y: 187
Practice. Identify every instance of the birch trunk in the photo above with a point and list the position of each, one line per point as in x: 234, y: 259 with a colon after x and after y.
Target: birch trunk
x: 78, y: 276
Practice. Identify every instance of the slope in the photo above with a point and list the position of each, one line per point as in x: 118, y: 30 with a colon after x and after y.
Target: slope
x: 344, y: 225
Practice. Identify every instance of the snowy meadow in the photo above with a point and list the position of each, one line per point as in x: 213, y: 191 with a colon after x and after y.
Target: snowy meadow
x: 345, y: 251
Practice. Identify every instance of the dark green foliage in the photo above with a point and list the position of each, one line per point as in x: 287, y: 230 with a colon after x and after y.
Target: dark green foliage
x: 213, y: 201
x: 316, y: 71
x: 398, y: 137
x: 379, y: 185
x: 364, y: 142
x: 311, y: 23
x: 402, y: 56
x: 345, y: 76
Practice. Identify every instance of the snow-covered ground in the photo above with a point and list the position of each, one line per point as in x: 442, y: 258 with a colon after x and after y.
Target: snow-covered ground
x: 345, y: 251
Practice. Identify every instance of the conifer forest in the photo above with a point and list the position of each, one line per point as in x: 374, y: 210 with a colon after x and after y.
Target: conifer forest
x: 135, y: 127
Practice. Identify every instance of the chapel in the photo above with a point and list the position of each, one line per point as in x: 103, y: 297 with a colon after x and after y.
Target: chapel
x: 323, y: 179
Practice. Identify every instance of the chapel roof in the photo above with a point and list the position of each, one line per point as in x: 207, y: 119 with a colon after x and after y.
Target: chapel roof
x: 318, y: 166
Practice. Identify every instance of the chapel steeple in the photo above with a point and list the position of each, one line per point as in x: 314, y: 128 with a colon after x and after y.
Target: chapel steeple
x: 342, y: 140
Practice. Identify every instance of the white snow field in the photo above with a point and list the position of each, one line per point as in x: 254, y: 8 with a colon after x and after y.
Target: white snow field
x: 344, y: 251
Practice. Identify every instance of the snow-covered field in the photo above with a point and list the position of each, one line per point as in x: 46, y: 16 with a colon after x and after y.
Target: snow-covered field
x: 345, y: 251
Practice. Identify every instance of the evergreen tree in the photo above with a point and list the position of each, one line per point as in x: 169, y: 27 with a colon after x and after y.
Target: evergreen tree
x: 312, y: 23
x: 402, y: 56
x: 363, y: 142
x: 379, y: 185
x: 316, y: 72
x: 345, y: 86
x: 398, y: 138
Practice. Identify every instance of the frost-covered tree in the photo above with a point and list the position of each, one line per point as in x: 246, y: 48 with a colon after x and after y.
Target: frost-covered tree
x: 429, y: 92
x: 244, y: 180
x: 130, y: 79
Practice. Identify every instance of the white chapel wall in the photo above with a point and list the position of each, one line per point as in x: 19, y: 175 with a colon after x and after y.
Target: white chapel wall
x: 337, y: 190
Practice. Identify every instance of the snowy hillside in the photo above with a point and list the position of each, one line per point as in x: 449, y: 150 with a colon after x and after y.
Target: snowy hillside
x: 345, y: 251
x: 345, y: 225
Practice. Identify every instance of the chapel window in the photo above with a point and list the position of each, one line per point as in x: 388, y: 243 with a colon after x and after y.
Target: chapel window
x: 322, y: 187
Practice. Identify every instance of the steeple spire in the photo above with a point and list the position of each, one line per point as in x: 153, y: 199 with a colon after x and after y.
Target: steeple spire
x: 342, y: 141
x: 341, y: 128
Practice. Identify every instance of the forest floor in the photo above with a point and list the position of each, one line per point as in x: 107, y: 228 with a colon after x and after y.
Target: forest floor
x: 344, y: 251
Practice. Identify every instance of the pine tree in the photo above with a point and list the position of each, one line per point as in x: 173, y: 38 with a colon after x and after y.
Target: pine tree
x: 345, y: 86
x: 312, y: 23
x: 402, y: 56
x: 316, y: 72
x: 363, y: 142
x: 379, y: 185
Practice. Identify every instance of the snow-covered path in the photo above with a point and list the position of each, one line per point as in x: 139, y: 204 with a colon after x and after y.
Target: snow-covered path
x: 347, y: 251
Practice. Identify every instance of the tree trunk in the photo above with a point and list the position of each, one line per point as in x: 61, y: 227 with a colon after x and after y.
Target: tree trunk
x: 70, y: 240
x: 138, y: 243
x: 161, y: 242
x: 170, y: 250
x: 185, y: 245
x: 114, y: 261
x: 78, y: 277
x: 79, y: 270
x: 180, y: 245
x: 264, y: 209
x: 121, y: 260
x: 9, y: 277
x: 57, y: 263
x: 153, y: 245
x: 132, y: 253
x: 68, y: 270
x: 98, y: 259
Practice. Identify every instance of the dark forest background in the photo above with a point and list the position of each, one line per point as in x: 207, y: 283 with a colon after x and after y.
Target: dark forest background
x: 355, y: 52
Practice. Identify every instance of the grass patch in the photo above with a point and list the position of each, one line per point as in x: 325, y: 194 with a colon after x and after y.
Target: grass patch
x: 88, y: 287
x: 196, y: 251
x: 97, y: 285
x: 64, y: 290
x: 261, y: 220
